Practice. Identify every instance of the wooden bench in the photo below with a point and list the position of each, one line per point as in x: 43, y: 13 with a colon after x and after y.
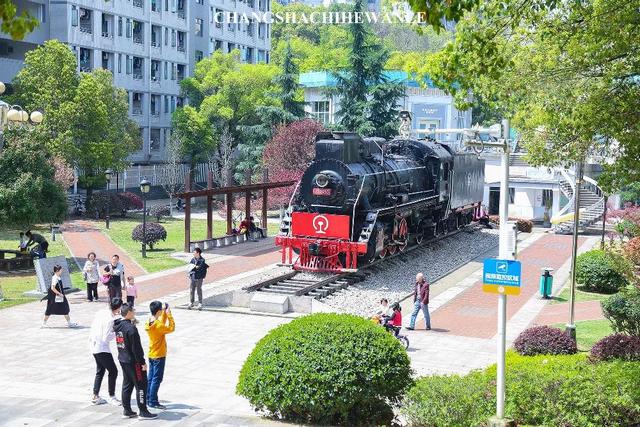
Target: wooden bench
x: 19, y: 261
x: 221, y: 242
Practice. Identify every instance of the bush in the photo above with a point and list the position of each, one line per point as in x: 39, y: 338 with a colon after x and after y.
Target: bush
x: 632, y: 250
x: 104, y: 200
x: 130, y: 201
x: 540, y: 390
x: 450, y: 400
x: 155, y: 233
x: 523, y: 225
x: 602, y: 271
x: 159, y: 211
x: 327, y: 369
x: 616, y: 346
x: 544, y: 340
x: 623, y: 311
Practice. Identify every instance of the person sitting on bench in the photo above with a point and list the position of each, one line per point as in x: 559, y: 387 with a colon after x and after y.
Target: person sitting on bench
x: 248, y: 225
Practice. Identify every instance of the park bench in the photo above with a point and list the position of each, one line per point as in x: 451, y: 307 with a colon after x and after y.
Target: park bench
x: 19, y: 261
x: 220, y: 242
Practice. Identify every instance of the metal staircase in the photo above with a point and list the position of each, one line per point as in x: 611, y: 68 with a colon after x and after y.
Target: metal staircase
x: 591, y: 202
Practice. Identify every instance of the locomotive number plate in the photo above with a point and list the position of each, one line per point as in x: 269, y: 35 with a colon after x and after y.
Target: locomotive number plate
x: 321, y: 191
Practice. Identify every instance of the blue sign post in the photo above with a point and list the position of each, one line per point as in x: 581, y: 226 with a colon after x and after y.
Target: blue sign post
x: 501, y: 276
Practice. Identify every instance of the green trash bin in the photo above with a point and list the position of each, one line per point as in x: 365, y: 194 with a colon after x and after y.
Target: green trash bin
x: 546, y: 282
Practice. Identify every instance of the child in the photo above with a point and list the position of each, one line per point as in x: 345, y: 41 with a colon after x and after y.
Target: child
x: 132, y: 291
x: 395, y: 320
x: 105, y: 278
x: 384, y: 312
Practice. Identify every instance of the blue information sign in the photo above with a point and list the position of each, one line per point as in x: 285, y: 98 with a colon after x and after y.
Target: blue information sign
x: 502, y: 276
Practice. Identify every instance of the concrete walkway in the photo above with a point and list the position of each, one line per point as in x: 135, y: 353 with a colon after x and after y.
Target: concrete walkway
x: 559, y: 313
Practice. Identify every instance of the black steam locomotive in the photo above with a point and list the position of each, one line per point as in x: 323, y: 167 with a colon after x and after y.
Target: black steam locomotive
x: 363, y: 198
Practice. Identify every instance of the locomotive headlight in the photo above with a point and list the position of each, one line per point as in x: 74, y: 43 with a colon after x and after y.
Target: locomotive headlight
x: 322, y: 180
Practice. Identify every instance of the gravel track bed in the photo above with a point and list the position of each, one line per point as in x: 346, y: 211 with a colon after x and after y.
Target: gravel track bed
x: 397, y: 278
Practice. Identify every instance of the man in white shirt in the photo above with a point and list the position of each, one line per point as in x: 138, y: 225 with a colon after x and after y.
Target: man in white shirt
x: 100, y: 337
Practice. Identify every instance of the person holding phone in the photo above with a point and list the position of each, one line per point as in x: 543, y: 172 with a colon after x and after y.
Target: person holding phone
x: 159, y: 325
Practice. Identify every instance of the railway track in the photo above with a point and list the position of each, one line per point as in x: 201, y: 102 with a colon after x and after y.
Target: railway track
x: 320, y: 285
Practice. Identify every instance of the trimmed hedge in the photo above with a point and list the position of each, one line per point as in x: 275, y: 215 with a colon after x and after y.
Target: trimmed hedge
x: 540, y: 390
x: 327, y: 368
x: 544, y: 340
x: 623, y: 310
x: 602, y: 271
x: 155, y: 233
x: 616, y: 346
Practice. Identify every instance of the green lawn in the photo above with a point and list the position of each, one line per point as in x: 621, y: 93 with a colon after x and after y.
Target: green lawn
x: 588, y: 332
x: 160, y: 257
x: 13, y: 285
x: 581, y: 295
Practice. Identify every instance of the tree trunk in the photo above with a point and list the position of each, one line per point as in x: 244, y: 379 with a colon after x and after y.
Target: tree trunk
x: 170, y: 205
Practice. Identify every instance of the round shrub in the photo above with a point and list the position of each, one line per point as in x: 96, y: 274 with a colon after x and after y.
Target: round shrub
x: 327, y: 368
x: 632, y: 250
x: 623, y: 311
x: 524, y: 225
x: 130, y: 201
x: 602, y: 271
x: 103, y: 200
x: 616, y: 346
x: 154, y: 233
x: 159, y: 211
x: 544, y: 340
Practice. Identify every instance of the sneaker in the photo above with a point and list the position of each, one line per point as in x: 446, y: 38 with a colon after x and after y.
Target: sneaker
x: 129, y: 414
x: 409, y: 328
x: 98, y: 401
x: 113, y: 401
x: 44, y: 325
x: 157, y: 406
x: 148, y: 415
x: 72, y: 324
x: 190, y: 306
x: 199, y: 306
x: 428, y: 328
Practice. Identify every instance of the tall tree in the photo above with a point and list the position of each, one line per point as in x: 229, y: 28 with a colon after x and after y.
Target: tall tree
x: 289, y: 88
x: 368, y: 99
x: 86, y: 117
x: 171, y: 172
x: 194, y: 134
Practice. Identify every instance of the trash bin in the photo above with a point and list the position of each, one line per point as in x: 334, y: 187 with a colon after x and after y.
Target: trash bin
x: 546, y: 282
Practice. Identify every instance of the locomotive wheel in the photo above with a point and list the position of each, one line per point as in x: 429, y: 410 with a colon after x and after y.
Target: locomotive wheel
x: 392, y: 249
x: 383, y: 254
x: 403, y: 235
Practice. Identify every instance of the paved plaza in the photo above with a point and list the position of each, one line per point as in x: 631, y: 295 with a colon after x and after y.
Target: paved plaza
x: 46, y: 374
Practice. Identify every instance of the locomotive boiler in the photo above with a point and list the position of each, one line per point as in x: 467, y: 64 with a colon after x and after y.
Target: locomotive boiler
x: 364, y: 198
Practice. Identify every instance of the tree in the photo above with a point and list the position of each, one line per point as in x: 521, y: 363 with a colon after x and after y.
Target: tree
x: 368, y: 100
x: 288, y: 153
x: 86, y: 116
x: 557, y: 68
x: 17, y: 26
x: 195, y: 135
x: 171, y: 172
x: 289, y: 88
x: 29, y: 192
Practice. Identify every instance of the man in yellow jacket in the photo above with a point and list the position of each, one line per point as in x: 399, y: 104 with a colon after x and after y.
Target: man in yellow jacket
x: 160, y: 324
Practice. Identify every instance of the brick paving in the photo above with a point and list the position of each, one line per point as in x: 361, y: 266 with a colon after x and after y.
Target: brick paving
x: 559, y: 313
x: 473, y: 313
x: 82, y: 237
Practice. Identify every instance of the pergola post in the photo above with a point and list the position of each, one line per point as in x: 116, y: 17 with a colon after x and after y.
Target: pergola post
x: 209, y: 206
x: 187, y: 213
x: 229, y: 201
x: 247, y: 197
x: 265, y: 179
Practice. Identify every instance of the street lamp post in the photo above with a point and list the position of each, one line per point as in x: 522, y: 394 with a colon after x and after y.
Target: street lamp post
x: 107, y: 175
x: 145, y: 186
x: 15, y: 114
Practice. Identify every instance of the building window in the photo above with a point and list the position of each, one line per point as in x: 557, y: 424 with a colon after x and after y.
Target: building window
x: 166, y: 36
x: 86, y: 21
x: 74, y: 16
x: 212, y: 11
x: 138, y: 68
x: 138, y: 32
x: 166, y: 104
x: 166, y: 70
x: 512, y: 195
x: 107, y: 23
x: 218, y: 19
x: 138, y: 3
x: 547, y: 198
x: 119, y: 63
x: 156, y: 33
x: 199, y: 24
x: 199, y: 55
x: 182, y: 40
x: 119, y: 26
x: 218, y: 45
x: 173, y: 71
x: 129, y: 33
x: 129, y: 64
x: 154, y: 6
x: 181, y: 71
x: 155, y: 70
x: 155, y: 105
x: 199, y: 1
x: 166, y: 5
x: 320, y: 111
x: 173, y: 38
x: 85, y: 60
x: 136, y: 107
x: 154, y: 138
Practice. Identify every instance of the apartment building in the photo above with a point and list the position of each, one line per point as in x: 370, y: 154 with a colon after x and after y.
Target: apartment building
x: 148, y: 45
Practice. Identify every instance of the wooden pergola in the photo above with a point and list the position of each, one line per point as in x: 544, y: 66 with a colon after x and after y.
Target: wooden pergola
x: 228, y: 191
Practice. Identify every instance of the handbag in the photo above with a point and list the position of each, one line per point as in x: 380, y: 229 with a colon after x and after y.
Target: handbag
x: 59, y: 298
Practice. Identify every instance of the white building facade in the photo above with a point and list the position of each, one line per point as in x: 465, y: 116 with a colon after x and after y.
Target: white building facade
x: 148, y: 45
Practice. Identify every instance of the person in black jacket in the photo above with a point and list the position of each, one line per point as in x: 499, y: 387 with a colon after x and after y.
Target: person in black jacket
x: 197, y: 272
x: 131, y: 358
